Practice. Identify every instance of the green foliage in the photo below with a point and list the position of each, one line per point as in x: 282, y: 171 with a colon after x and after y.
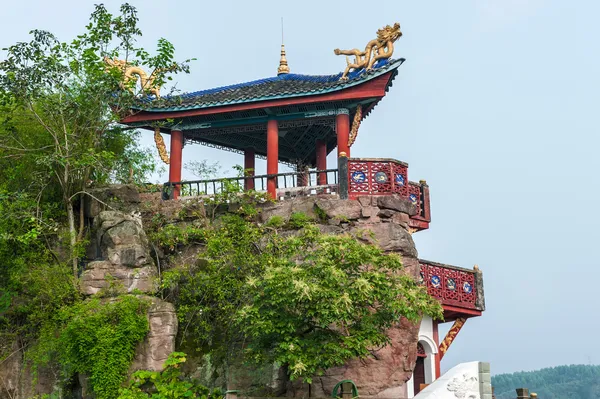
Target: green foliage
x: 166, y: 384
x: 562, y: 382
x: 171, y: 236
x: 59, y: 135
x: 320, y: 214
x: 33, y: 282
x: 299, y: 220
x: 306, y: 300
x: 60, y: 107
x: 275, y: 222
x: 324, y: 299
x: 97, y: 338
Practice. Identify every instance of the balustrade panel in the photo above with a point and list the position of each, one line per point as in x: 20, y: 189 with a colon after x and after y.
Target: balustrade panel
x: 450, y: 285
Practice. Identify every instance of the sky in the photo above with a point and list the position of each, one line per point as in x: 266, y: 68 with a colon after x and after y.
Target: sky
x: 496, y: 107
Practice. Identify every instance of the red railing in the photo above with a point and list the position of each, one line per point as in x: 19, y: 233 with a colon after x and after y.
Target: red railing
x: 380, y: 176
x: 453, y: 286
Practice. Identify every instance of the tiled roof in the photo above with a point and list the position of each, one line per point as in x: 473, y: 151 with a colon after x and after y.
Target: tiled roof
x: 281, y: 86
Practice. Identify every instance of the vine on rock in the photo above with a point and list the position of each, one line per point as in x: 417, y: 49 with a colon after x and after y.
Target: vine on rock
x: 96, y: 338
x: 166, y: 384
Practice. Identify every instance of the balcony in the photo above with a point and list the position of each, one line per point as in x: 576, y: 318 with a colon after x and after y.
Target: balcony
x: 353, y: 178
x: 459, y: 290
x: 382, y: 176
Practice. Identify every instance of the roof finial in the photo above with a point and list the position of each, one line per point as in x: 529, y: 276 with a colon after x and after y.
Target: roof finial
x: 283, y: 65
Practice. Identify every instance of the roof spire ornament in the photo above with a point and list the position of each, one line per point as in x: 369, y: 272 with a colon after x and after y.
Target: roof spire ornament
x: 283, y: 65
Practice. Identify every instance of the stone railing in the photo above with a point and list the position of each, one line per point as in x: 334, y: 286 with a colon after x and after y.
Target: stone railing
x: 453, y: 286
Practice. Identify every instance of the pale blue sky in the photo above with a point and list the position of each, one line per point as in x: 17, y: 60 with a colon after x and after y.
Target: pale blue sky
x: 496, y: 107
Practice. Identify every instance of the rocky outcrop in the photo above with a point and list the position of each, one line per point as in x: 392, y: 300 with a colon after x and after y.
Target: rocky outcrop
x: 121, y: 263
x: 9, y: 372
x: 384, y: 373
x: 379, y: 221
x: 382, y: 221
x: 160, y: 341
x: 125, y: 266
x: 17, y: 380
x: 124, y: 197
x: 124, y: 258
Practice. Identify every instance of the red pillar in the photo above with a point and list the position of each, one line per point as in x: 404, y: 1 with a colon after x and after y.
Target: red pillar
x: 342, y: 129
x: 249, y: 157
x: 272, y: 156
x: 436, y: 339
x: 175, y: 162
x: 321, y: 162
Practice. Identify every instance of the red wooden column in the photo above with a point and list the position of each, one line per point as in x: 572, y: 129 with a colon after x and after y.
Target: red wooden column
x: 249, y: 158
x: 321, y: 162
x: 175, y: 162
x: 272, y: 156
x: 342, y: 129
x: 436, y: 339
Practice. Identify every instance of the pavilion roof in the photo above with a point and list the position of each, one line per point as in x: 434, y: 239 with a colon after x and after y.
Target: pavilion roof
x: 281, y: 86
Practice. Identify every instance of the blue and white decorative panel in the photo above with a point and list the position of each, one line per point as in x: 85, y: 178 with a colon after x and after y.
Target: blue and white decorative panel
x: 359, y: 176
x: 468, y: 288
x: 399, y: 180
x: 381, y: 177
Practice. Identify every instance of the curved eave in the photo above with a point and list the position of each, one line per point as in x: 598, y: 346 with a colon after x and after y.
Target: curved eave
x: 375, y: 87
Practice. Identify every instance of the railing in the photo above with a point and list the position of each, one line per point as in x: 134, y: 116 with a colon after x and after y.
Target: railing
x: 380, y: 176
x: 453, y: 286
x: 288, y: 183
x: 353, y: 178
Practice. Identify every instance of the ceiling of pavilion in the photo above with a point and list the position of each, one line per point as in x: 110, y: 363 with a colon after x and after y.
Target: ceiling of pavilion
x: 297, y: 139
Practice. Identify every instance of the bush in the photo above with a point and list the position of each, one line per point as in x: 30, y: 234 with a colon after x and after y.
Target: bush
x: 96, y: 338
x: 166, y: 384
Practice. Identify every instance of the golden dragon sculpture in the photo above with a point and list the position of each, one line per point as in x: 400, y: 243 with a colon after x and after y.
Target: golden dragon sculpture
x: 160, y: 146
x: 133, y: 73
x: 380, y: 48
x: 355, y: 125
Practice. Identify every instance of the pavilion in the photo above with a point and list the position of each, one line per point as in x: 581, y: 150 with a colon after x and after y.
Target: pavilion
x: 298, y: 120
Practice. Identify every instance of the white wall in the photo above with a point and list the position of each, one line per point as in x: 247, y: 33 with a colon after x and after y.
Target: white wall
x: 467, y: 380
x: 425, y: 339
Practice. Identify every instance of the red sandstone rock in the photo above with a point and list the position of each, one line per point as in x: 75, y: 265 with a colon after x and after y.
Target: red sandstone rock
x: 388, y: 369
x: 160, y: 341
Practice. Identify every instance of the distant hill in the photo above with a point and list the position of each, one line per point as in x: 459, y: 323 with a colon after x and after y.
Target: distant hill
x: 562, y: 382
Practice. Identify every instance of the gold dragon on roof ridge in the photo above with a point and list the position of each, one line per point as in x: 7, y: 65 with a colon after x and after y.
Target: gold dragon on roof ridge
x: 377, y: 49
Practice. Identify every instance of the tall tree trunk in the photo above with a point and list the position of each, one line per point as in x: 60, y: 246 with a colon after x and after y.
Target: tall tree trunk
x: 72, y: 235
x: 81, y: 217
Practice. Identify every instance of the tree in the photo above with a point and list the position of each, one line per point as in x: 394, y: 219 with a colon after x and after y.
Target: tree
x: 303, y: 299
x: 325, y: 299
x: 66, y: 89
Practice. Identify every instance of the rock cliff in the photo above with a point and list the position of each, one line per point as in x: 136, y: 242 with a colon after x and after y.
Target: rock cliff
x: 386, y: 372
x: 120, y: 262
